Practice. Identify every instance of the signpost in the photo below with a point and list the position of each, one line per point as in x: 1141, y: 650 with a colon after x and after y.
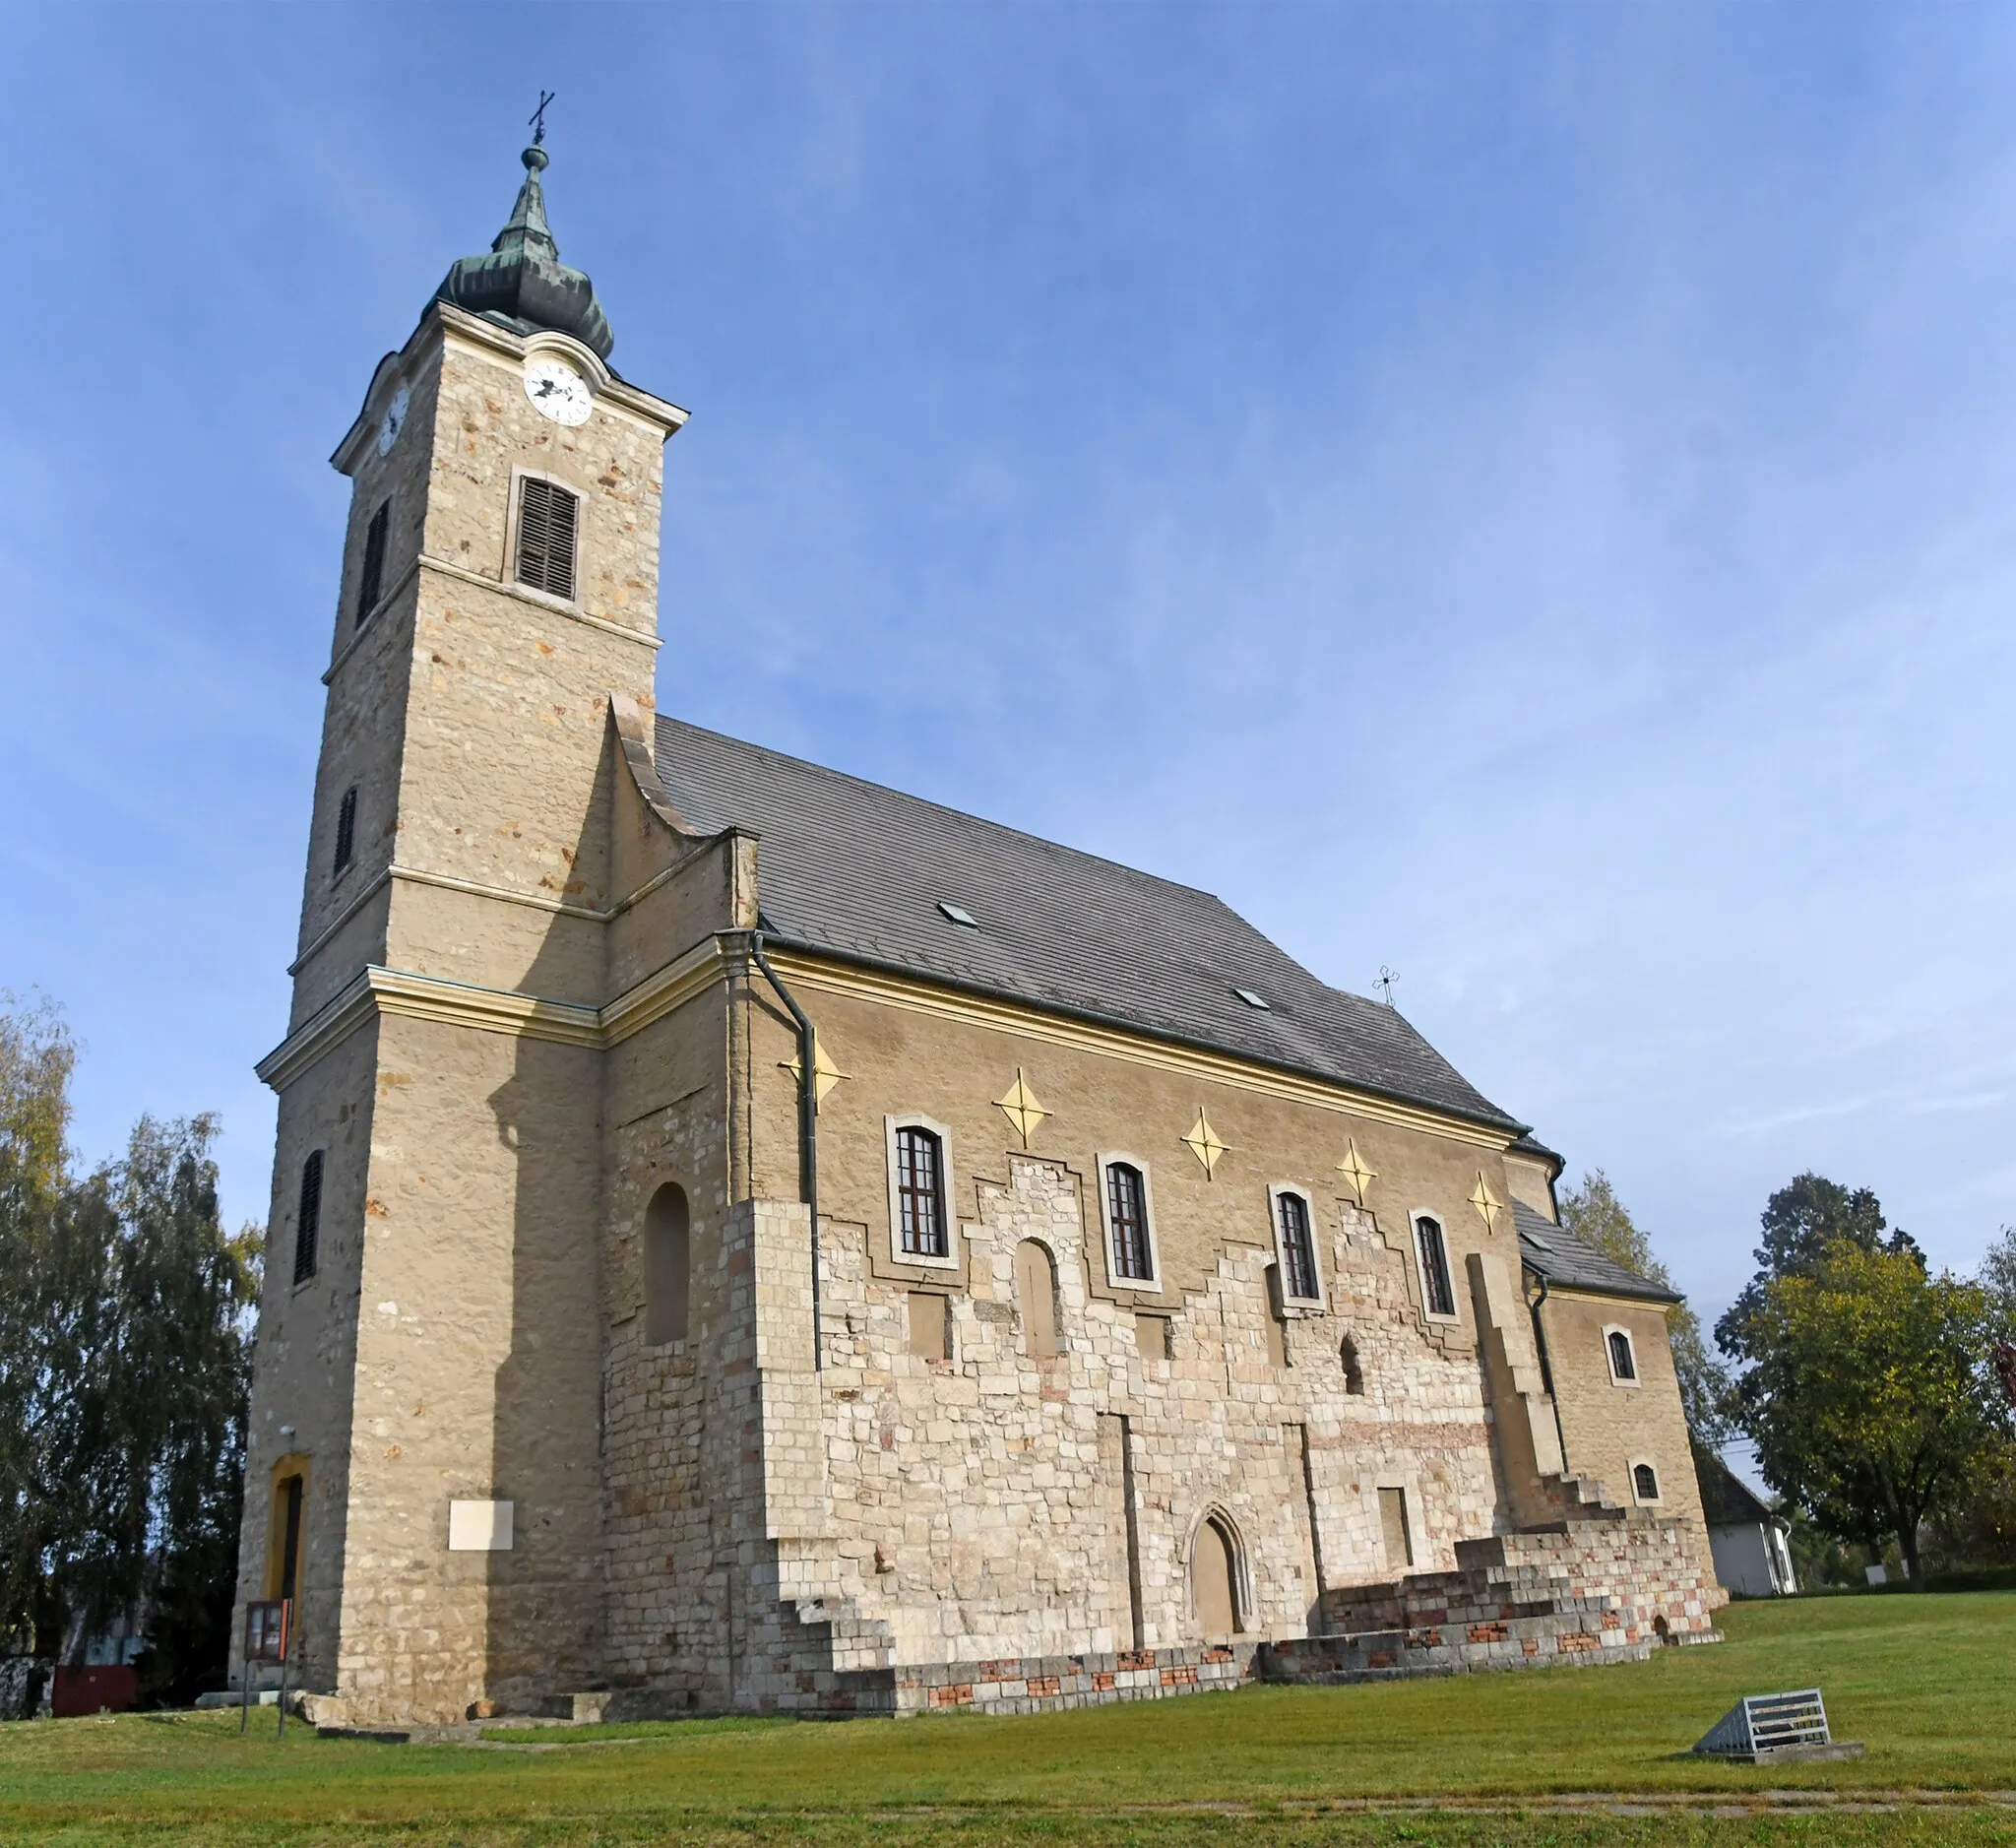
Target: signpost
x: 268, y: 1629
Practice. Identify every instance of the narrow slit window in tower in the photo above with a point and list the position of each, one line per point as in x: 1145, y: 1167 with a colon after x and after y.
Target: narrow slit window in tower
x: 308, y: 1226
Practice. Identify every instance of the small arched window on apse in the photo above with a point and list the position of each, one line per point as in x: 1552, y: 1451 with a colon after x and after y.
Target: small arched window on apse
x: 1645, y: 1481
x: 1623, y: 1359
x: 1353, y: 1373
x: 1036, y: 1297
x: 668, y: 1265
x: 1215, y: 1577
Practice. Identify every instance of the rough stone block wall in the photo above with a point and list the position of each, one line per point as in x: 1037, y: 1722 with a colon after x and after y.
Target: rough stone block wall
x: 970, y: 1509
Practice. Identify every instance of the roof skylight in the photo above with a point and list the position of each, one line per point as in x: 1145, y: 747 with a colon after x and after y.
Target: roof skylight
x: 959, y: 914
x: 1252, y: 1001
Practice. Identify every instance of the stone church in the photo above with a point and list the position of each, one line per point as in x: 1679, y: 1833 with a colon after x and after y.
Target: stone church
x: 743, y: 1237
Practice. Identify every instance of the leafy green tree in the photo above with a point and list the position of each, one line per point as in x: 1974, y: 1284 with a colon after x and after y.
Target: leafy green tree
x: 1998, y: 1276
x: 1869, y: 1393
x: 1593, y: 1212
x: 1803, y: 1223
x: 124, y: 1374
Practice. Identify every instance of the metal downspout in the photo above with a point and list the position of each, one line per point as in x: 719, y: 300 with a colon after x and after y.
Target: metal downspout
x: 1546, y: 1370
x: 808, y: 1122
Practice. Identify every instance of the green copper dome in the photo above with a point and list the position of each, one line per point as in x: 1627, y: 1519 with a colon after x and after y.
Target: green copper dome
x: 522, y: 284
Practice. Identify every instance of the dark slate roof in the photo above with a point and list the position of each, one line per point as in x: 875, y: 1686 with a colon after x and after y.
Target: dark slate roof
x: 1554, y: 1252
x: 852, y: 869
x: 1727, y: 1500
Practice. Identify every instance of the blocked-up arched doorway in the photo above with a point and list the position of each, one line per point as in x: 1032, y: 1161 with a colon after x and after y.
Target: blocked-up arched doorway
x: 1215, y: 1578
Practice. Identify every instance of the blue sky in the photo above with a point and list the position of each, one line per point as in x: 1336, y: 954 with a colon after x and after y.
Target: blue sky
x: 1523, y: 494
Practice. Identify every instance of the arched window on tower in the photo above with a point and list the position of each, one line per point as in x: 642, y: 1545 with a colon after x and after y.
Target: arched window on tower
x: 668, y: 1265
x: 1623, y: 1363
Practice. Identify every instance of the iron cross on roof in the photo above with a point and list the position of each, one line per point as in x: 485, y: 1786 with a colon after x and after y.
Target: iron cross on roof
x: 537, y: 121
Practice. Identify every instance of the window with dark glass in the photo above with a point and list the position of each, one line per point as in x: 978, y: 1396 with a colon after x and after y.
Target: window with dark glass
x: 308, y: 1224
x: 1127, y: 1209
x: 1440, y: 1294
x: 546, y: 535
x: 1646, y: 1477
x: 1298, y: 1248
x: 371, y: 579
x: 346, y: 829
x: 921, y: 1193
x: 1624, y: 1364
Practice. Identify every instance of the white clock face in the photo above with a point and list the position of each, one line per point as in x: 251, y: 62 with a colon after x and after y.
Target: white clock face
x: 394, y: 420
x: 557, y: 391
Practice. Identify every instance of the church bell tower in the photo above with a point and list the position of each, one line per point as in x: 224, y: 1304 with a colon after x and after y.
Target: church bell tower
x: 421, y: 1476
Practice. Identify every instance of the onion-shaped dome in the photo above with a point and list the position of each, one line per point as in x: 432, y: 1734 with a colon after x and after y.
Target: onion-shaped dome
x: 522, y: 284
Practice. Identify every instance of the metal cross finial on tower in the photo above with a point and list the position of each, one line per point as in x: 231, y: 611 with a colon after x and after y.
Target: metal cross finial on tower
x: 537, y: 121
x: 1387, y: 978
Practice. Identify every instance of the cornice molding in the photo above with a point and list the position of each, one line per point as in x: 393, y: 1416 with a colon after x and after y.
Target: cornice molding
x: 376, y: 990
x: 552, y: 606
x: 889, y: 989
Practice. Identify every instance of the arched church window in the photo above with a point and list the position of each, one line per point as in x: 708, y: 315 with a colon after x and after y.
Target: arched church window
x: 668, y: 1265
x: 1623, y: 1363
x: 1297, y: 1248
x: 345, y: 831
x: 547, y: 520
x: 1127, y: 1215
x: 1353, y: 1373
x: 308, y: 1222
x: 1035, y: 1297
x: 371, y: 579
x: 1438, y: 1294
x: 1645, y: 1479
x: 920, y: 1193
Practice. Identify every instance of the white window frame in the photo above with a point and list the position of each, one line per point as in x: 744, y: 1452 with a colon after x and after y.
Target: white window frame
x: 1151, y: 1285
x: 1275, y: 1191
x: 896, y: 1255
x: 509, y: 568
x: 1609, y: 1363
x: 1421, y: 1272
x: 1658, y: 1478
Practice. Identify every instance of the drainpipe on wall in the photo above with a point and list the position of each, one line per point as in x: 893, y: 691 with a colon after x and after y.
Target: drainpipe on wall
x: 1546, y: 1370
x: 808, y: 1121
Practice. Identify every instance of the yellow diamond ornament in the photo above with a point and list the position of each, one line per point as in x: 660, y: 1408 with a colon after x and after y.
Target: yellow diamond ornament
x: 825, y: 1074
x: 1484, y: 1200
x: 1021, y: 1107
x: 1357, y: 1174
x: 1204, y: 1143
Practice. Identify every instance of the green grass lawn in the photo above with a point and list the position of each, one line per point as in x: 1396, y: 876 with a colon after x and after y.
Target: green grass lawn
x: 1928, y: 1683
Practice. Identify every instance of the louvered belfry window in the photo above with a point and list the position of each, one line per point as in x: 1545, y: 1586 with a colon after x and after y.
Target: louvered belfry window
x: 346, y: 830
x: 1127, y: 1209
x: 546, y: 535
x: 921, y: 1193
x: 371, y: 579
x: 308, y: 1226
x: 1298, y: 1248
